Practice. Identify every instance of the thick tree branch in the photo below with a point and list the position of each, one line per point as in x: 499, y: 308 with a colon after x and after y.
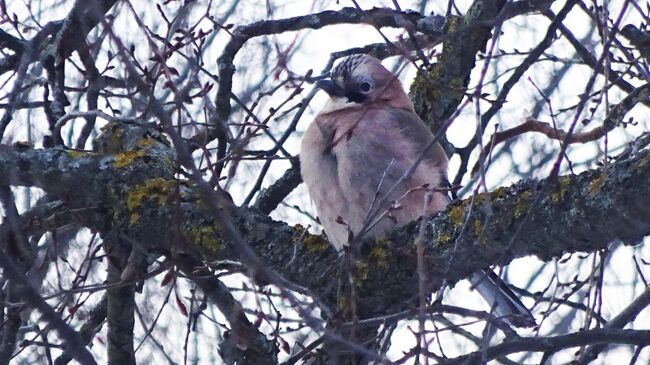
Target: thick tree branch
x: 120, y: 303
x: 580, y: 213
x: 271, y: 197
x: 9, y: 41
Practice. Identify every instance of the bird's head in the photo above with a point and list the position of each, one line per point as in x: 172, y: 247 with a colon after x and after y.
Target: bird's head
x: 361, y: 79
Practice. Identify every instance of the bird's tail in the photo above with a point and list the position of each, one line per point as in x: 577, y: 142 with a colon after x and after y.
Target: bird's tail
x: 503, y: 301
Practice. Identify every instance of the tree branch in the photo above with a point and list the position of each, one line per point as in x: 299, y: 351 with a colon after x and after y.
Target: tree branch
x: 594, y: 209
x: 71, y: 339
x: 621, y: 320
x: 555, y: 343
x: 271, y: 197
x: 70, y: 32
x: 613, y: 119
x: 245, y: 342
x: 88, y: 330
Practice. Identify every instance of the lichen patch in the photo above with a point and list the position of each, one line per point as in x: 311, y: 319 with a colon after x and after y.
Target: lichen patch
x: 126, y: 158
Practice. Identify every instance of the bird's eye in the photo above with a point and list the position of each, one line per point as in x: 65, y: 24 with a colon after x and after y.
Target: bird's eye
x: 365, y: 86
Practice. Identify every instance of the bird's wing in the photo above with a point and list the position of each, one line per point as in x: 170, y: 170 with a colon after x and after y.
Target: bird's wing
x: 434, y: 162
x: 494, y: 290
x: 318, y: 167
x: 413, y: 129
x: 372, y: 158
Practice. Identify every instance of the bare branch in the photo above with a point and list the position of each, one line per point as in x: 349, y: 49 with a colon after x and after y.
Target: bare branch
x: 555, y: 343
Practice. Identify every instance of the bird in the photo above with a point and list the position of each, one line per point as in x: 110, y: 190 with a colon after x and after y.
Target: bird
x: 371, y: 165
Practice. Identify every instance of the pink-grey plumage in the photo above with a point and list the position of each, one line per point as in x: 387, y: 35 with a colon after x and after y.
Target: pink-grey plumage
x: 356, y: 153
x: 350, y: 146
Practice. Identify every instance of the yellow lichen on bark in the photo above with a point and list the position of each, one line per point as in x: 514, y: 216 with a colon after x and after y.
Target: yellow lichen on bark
x: 126, y: 158
x: 208, y: 236
x: 157, y: 189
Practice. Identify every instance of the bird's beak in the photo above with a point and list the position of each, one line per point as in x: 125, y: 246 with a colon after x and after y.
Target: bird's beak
x: 331, y: 88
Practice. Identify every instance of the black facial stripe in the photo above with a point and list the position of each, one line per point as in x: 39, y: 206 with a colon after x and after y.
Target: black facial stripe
x: 355, y: 97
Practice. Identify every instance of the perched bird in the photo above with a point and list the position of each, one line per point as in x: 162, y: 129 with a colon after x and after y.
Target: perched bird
x: 358, y: 157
